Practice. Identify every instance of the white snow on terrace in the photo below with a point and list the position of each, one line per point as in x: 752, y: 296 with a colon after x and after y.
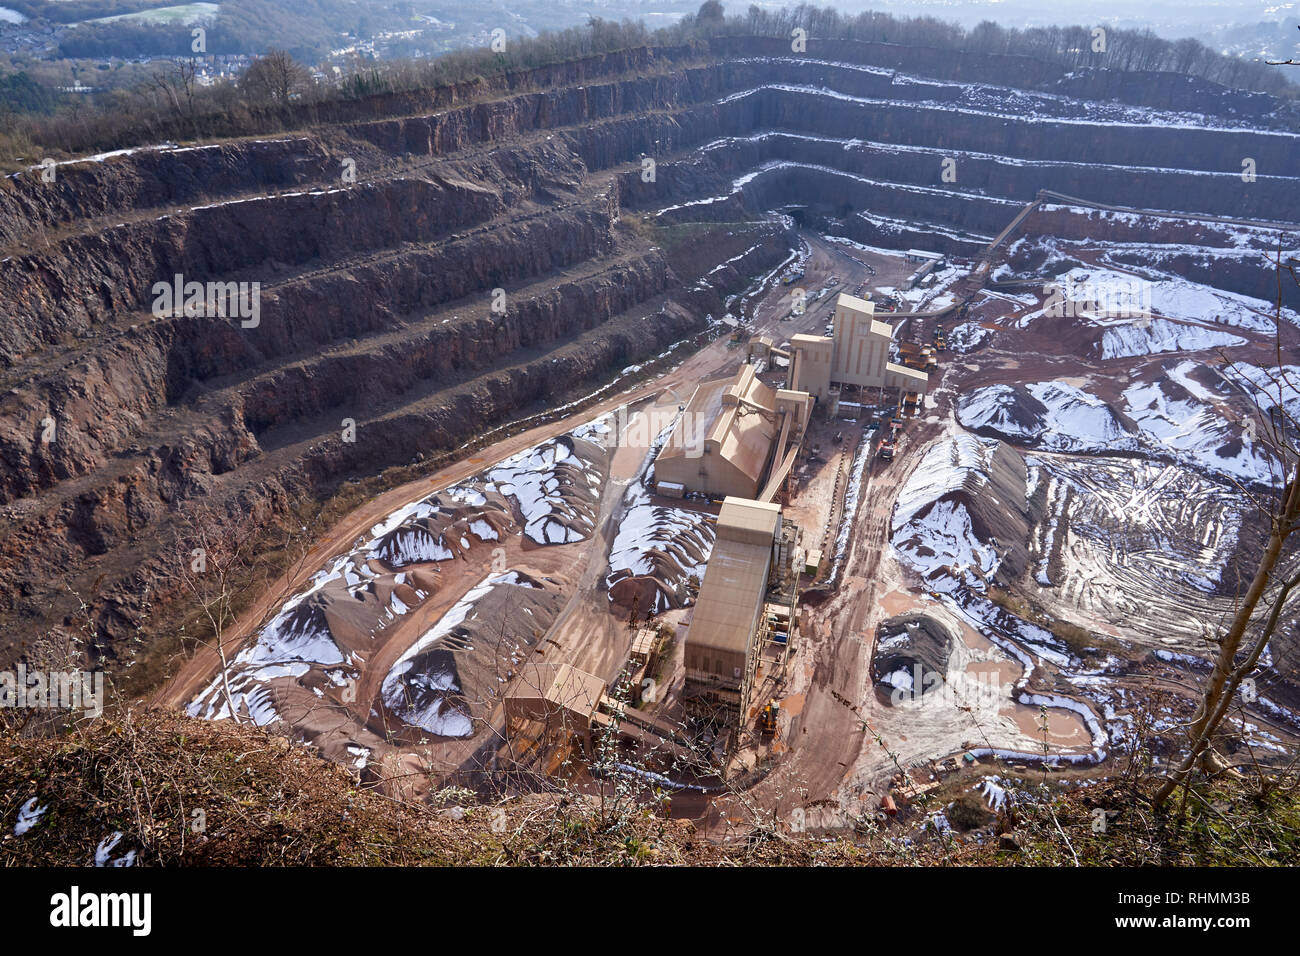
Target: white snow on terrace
x: 901, y: 226
x: 1157, y: 336
x: 744, y: 180
x: 999, y: 158
x: 722, y: 265
x: 1141, y: 118
x: 97, y: 158
x: 797, y: 257
x: 811, y: 61
x: 1023, y: 101
x: 277, y: 196
x: 862, y: 247
x: 1129, y: 300
x: 1216, y: 240
x: 167, y: 148
x: 1195, y: 432
x: 1074, y: 419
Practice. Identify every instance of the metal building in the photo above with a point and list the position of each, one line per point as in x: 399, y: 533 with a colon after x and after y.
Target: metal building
x: 724, y: 441
x: 752, y: 554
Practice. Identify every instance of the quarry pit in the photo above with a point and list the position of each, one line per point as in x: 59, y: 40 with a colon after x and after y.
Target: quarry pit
x: 513, y: 319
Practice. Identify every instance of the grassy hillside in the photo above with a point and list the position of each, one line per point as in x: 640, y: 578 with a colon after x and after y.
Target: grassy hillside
x: 189, y: 792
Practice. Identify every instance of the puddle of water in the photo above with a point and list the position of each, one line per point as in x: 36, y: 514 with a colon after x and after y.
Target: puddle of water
x: 1064, y: 727
x: 898, y: 602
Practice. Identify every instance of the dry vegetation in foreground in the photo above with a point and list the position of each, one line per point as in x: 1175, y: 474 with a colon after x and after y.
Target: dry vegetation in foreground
x: 190, y: 792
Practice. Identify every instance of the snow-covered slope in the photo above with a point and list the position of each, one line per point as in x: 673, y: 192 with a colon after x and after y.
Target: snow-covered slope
x: 1051, y: 415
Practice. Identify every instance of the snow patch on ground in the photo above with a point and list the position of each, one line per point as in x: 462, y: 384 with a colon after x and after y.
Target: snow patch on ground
x: 1157, y: 336
x: 28, y: 815
x: 437, y: 716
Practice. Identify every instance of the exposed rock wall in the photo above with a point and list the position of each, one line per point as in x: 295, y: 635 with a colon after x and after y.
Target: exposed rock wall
x: 375, y: 295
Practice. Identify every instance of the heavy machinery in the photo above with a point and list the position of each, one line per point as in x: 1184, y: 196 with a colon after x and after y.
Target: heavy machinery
x: 767, y: 718
x: 918, y: 356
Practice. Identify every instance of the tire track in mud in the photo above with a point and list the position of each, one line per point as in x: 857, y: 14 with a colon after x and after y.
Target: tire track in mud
x: 1131, y: 534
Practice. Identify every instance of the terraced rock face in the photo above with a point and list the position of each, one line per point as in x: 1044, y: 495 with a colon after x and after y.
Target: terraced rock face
x: 427, y: 266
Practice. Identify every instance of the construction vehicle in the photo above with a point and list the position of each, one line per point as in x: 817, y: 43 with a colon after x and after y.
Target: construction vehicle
x: 839, y: 437
x: 887, y: 450
x: 767, y: 718
x: 918, y: 356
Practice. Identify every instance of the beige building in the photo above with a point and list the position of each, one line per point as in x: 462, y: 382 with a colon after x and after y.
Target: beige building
x: 728, y: 436
x: 856, y: 354
x: 558, y: 695
x: 728, y: 625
